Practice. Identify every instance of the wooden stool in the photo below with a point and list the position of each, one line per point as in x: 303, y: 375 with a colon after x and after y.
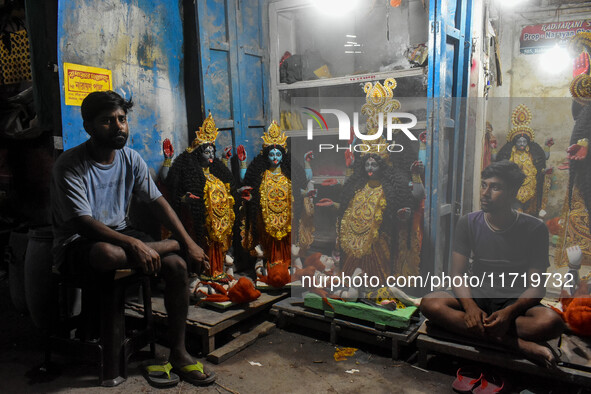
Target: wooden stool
x: 103, y: 305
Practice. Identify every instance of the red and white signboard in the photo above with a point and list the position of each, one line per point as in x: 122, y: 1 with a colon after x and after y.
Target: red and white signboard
x: 539, y: 38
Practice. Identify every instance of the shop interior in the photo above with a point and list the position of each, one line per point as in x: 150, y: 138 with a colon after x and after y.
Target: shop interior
x: 476, y: 81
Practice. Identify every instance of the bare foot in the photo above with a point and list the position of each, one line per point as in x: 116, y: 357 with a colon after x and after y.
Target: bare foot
x: 539, y: 354
x: 180, y: 360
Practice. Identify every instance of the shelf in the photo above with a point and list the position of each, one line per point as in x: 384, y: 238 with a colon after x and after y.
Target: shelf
x: 421, y: 125
x: 411, y: 72
x: 317, y: 180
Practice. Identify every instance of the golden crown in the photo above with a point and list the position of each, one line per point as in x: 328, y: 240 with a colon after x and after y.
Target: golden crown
x: 379, y: 99
x: 274, y: 136
x: 520, y: 119
x: 206, y: 134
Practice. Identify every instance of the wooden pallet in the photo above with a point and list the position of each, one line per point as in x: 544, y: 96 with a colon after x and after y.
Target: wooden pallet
x: 207, y: 323
x: 292, y: 311
x: 433, y: 340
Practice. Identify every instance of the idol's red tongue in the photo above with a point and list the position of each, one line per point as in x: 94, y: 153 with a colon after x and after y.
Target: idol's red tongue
x: 370, y: 173
x: 275, y: 161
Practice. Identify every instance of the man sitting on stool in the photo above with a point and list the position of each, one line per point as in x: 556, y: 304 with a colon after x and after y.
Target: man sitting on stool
x: 504, y: 245
x: 91, y: 189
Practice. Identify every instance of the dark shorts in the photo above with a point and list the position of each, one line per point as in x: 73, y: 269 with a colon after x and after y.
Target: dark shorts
x: 491, y: 305
x: 76, y: 266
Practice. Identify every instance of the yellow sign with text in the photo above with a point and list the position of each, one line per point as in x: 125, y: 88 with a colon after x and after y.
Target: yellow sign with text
x: 82, y: 80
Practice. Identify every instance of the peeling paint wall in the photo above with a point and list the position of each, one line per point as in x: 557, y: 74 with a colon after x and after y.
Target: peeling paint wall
x: 141, y: 42
x: 546, y: 94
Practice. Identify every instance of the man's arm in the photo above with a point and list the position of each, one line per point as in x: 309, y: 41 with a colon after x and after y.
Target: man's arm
x: 474, y: 316
x: 140, y: 253
x: 169, y: 218
x: 499, y: 322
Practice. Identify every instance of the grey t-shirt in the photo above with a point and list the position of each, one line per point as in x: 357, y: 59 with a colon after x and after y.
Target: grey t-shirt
x: 80, y: 186
x: 502, y: 258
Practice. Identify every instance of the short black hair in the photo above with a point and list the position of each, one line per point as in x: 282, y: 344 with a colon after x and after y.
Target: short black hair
x: 97, y: 102
x: 506, y: 170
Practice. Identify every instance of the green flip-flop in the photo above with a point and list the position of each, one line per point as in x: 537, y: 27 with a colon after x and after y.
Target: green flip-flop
x: 187, y: 376
x: 159, y: 375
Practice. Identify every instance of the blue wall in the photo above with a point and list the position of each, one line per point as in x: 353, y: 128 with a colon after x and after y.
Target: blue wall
x: 141, y: 42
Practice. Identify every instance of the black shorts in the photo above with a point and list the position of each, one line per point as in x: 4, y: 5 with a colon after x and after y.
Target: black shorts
x: 491, y: 305
x: 76, y: 266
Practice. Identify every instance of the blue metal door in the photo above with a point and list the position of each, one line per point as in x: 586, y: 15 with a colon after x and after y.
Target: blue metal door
x: 233, y: 74
x: 450, y: 47
x: 253, y: 74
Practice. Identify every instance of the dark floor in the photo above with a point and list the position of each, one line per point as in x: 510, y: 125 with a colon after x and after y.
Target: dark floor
x: 291, y: 361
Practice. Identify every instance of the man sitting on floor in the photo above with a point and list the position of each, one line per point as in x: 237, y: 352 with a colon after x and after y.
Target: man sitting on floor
x: 504, y: 245
x: 91, y: 189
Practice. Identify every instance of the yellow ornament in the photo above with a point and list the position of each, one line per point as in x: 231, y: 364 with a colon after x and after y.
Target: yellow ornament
x: 521, y: 119
x: 206, y: 134
x: 379, y: 99
x: 274, y: 136
x: 523, y: 159
x: 362, y: 220
x: 276, y: 204
x: 219, y: 205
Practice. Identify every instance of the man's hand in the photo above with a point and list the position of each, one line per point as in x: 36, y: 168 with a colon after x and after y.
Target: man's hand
x: 498, y: 323
x: 474, y: 318
x: 197, y: 260
x: 146, y: 258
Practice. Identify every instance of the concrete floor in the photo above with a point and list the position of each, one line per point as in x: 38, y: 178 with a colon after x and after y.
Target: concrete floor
x: 292, y: 361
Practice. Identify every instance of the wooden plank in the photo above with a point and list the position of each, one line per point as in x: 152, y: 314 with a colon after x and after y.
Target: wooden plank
x: 207, y: 323
x: 294, y: 306
x: 240, y: 343
x: 291, y: 311
x: 439, y: 333
x: 576, y: 351
x: 501, y: 359
x: 205, y: 317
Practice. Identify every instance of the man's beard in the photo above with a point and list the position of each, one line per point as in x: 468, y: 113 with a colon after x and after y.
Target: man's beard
x: 486, y: 207
x: 117, y: 141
